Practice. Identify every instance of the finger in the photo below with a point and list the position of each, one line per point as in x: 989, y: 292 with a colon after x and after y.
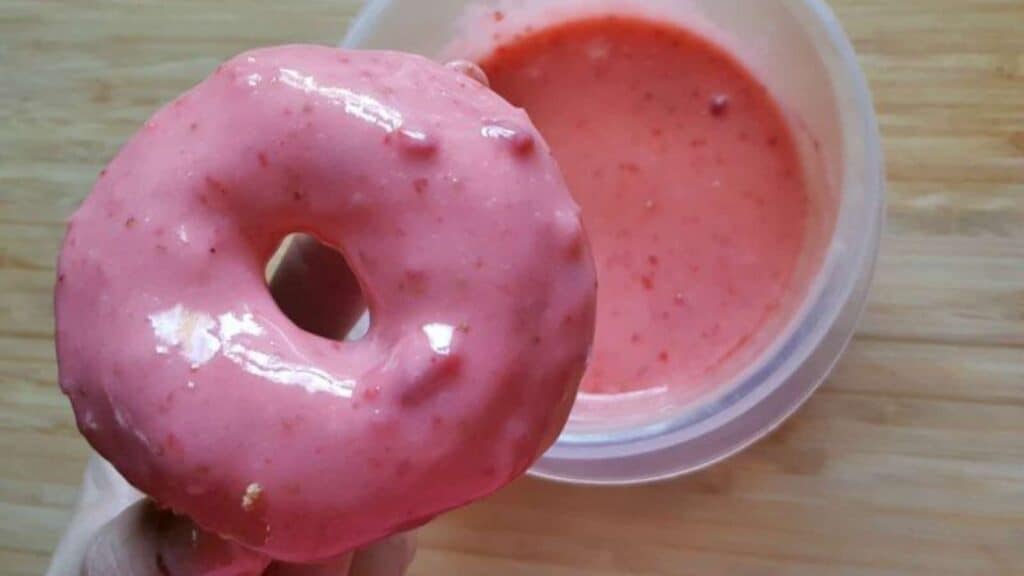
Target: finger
x: 389, y: 557
x: 103, y: 495
x: 315, y: 287
x: 146, y: 541
x: 115, y: 551
x: 339, y: 567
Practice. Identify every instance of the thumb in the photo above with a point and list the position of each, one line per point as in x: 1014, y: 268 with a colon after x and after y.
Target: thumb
x: 146, y: 541
x: 104, y: 494
x: 388, y: 557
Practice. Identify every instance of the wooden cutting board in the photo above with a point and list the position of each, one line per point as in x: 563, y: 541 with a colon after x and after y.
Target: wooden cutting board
x: 909, y: 461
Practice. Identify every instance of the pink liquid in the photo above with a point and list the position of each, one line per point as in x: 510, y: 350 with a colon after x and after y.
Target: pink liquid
x: 691, y: 187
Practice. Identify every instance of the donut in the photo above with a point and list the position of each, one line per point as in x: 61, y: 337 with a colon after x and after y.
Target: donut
x: 451, y: 214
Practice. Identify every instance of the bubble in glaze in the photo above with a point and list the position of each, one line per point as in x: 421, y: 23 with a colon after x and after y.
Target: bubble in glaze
x: 469, y: 69
x: 520, y: 139
x: 417, y: 142
x: 719, y: 105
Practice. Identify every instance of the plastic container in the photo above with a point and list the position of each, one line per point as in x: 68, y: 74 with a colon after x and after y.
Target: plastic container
x: 800, y: 52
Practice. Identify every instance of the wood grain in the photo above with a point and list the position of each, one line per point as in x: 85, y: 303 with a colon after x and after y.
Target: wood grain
x: 909, y: 461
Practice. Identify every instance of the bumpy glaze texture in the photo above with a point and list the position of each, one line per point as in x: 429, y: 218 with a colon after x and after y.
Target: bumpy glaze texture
x: 451, y: 212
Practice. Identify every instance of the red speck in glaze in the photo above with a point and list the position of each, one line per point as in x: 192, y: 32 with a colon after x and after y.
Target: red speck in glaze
x: 216, y: 185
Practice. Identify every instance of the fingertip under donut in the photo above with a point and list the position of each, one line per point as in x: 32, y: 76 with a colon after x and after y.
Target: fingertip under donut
x: 146, y: 541
x: 389, y: 557
x: 338, y: 567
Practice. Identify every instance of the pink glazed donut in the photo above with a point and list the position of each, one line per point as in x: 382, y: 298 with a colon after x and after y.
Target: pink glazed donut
x: 452, y: 214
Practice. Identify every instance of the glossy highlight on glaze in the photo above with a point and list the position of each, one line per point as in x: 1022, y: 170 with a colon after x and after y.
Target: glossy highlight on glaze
x: 468, y: 250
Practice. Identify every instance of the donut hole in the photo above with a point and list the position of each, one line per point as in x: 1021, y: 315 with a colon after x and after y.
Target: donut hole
x: 315, y: 288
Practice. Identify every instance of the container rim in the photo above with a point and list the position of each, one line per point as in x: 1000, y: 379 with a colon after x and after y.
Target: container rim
x: 827, y: 319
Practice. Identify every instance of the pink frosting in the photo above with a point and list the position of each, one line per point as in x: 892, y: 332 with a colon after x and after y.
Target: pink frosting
x: 454, y: 218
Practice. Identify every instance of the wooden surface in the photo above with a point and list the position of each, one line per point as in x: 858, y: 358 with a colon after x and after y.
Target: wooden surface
x: 909, y: 461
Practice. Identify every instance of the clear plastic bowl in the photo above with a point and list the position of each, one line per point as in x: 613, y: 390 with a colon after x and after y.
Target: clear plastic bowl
x: 800, y: 52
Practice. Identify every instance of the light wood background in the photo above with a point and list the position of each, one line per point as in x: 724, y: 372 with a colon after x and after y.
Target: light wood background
x: 909, y: 461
